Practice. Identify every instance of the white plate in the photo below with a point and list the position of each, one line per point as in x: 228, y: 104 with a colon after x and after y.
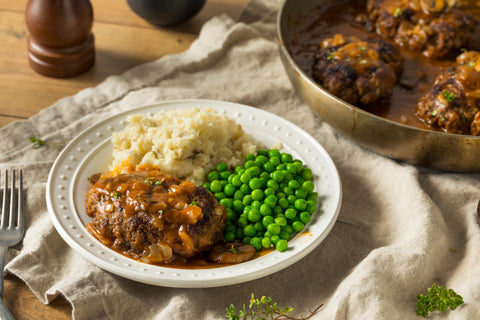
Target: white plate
x: 90, y: 152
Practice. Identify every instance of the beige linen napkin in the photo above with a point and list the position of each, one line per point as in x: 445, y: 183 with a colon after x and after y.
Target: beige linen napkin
x: 400, y: 228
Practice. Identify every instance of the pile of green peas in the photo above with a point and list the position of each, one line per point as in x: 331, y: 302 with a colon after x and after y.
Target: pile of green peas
x: 268, y: 199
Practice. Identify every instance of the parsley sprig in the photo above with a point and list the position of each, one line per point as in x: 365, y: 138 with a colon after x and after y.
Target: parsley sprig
x: 438, y: 298
x: 263, y: 309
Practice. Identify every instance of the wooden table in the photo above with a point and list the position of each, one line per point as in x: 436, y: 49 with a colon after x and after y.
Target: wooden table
x: 122, y: 41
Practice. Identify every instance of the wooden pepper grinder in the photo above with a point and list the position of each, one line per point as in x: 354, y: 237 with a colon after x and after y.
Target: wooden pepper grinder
x: 60, y: 43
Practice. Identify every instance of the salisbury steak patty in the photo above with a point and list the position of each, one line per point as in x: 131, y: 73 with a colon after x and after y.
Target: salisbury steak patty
x: 453, y: 103
x: 431, y: 27
x: 154, y: 217
x: 357, y: 71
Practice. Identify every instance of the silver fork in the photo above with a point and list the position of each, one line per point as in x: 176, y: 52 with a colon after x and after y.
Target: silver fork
x: 11, y: 227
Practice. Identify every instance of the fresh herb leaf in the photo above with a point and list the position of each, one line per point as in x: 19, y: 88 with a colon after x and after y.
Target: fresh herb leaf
x: 450, y: 96
x: 37, y: 143
x: 438, y: 298
x: 398, y: 12
x: 195, y: 203
x: 262, y: 309
x: 331, y: 55
x: 116, y: 195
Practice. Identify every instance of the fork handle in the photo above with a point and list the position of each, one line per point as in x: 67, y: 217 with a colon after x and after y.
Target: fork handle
x: 4, y: 313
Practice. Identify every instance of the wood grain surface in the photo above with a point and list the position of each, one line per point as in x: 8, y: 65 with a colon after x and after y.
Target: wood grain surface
x: 122, y: 41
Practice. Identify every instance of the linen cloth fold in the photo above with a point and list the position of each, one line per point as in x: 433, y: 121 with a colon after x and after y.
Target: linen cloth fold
x: 400, y: 229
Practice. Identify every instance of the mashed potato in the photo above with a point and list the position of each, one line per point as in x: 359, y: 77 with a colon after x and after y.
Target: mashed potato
x: 186, y: 143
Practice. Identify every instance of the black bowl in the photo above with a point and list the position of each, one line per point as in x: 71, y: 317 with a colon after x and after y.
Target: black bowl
x: 166, y: 12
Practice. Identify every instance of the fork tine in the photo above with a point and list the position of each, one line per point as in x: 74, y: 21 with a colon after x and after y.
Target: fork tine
x: 20, y: 201
x: 11, y: 217
x: 4, y: 200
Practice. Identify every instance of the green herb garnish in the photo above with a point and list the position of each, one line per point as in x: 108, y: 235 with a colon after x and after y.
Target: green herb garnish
x: 262, y: 309
x: 434, y: 112
x: 116, y: 195
x: 37, y: 143
x: 398, y: 12
x: 195, y: 203
x: 438, y: 298
x: 450, y: 96
x: 331, y: 55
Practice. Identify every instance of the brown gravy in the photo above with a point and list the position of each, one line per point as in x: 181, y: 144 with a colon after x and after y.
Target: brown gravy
x: 339, y: 16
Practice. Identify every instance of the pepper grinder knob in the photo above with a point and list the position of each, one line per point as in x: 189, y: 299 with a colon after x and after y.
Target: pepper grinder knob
x: 60, y: 43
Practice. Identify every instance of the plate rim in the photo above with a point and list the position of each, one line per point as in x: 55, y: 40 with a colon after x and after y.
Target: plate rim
x: 218, y: 280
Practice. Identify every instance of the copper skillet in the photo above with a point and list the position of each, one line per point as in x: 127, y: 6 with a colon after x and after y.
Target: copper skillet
x: 437, y: 150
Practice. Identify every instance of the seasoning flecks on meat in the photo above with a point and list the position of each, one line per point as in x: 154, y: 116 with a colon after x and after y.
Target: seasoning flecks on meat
x: 154, y: 217
x: 431, y: 27
x: 357, y: 71
x: 453, y: 103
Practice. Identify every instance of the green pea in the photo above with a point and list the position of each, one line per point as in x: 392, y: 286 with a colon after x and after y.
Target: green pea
x: 308, y: 186
x: 242, y: 222
x: 286, y: 158
x: 249, y: 230
x: 225, y: 174
x: 298, y: 226
x: 231, y: 215
x: 311, y: 206
x: 266, y: 243
x: 274, y: 153
x: 291, y: 199
x: 247, y: 200
x: 229, y: 189
x: 312, y: 196
x: 304, y: 217
x: 238, y: 195
x: 294, y: 184
x: 236, y: 180
x: 270, y: 201
x: 254, y: 171
x: 274, y: 239
x: 245, y: 177
x: 269, y: 192
x: 256, y: 204
x: 281, y: 221
x: 284, y: 235
x: 272, y: 184
x: 249, y: 164
x: 275, y: 161
x: 291, y: 168
x: 256, y: 242
x: 257, y: 194
x: 277, y: 176
x: 213, y: 175
x: 216, y: 186
x: 273, y: 228
x: 259, y: 226
x: 283, y: 203
x: 250, y: 157
x: 261, y: 160
x: 269, y: 167
x: 287, y: 190
x: 206, y: 185
x: 301, y: 193
x: 300, y: 204
x: 255, y: 184
x: 237, y: 205
x: 265, y: 209
x: 219, y: 195
x: 254, y: 215
x: 290, y: 213
x: 263, y: 152
x: 238, y: 169
x: 264, y: 175
x: 229, y: 236
x: 277, y: 210
x: 267, y: 220
x: 281, y: 167
x: 307, y: 174
x: 281, y: 245
x: 288, y: 229
x: 239, y: 233
x: 245, y: 188
x: 222, y: 166
x: 226, y: 202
